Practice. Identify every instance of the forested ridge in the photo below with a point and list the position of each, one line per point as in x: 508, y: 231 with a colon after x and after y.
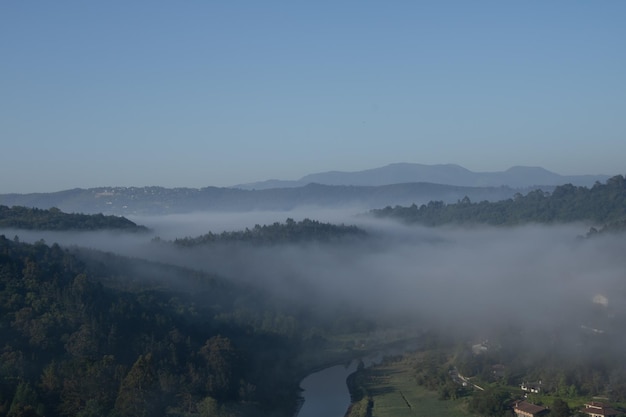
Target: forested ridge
x: 85, y: 335
x: 18, y: 217
x: 288, y: 232
x: 600, y: 204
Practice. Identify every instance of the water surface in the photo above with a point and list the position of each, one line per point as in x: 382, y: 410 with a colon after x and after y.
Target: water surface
x: 326, y: 392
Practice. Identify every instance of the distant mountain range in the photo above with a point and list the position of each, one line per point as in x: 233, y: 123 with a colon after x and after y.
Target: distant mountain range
x: 158, y: 200
x: 449, y: 174
x: 396, y: 184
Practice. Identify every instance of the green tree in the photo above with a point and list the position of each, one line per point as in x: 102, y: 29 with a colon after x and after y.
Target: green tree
x: 139, y: 390
x: 25, y: 402
x: 490, y: 402
x: 221, y: 357
x: 560, y: 408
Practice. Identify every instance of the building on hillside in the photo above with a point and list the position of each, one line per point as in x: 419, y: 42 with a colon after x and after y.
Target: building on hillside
x: 526, y: 409
x: 480, y: 348
x: 596, y: 409
x: 532, y: 387
x: 498, y: 371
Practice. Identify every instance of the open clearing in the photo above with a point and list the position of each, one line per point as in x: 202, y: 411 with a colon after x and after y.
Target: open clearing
x: 395, y: 394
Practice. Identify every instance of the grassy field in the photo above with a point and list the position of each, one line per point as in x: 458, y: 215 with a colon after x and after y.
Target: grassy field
x: 395, y: 394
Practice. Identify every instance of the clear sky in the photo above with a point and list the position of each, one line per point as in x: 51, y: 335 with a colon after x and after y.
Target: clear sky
x: 198, y: 93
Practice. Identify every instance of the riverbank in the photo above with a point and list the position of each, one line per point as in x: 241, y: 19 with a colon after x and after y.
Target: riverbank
x: 360, y: 401
x: 345, y: 362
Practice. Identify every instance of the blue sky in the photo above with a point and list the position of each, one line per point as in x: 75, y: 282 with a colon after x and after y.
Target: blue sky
x: 200, y: 93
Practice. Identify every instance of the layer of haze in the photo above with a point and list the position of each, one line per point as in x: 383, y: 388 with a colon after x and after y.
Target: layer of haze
x: 478, y: 277
x: 220, y: 93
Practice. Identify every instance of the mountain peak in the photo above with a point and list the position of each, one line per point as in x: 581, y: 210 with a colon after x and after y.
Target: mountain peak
x: 449, y: 174
x: 526, y: 169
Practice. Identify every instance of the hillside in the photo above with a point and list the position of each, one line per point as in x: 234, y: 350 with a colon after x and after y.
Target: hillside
x: 280, y: 233
x: 92, y: 334
x: 599, y: 204
x: 17, y: 217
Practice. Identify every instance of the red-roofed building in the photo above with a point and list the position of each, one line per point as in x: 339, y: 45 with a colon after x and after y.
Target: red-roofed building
x: 526, y: 409
x: 596, y: 409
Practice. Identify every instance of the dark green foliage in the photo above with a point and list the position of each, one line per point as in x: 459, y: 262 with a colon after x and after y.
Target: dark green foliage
x: 560, y: 408
x: 221, y: 363
x: 89, y: 334
x: 600, y: 204
x: 25, y: 402
x: 54, y: 219
x: 615, y: 227
x: 139, y: 394
x: 432, y: 371
x: 490, y: 402
x: 289, y: 232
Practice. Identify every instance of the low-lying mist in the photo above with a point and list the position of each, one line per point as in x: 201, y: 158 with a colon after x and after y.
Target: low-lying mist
x: 473, y: 278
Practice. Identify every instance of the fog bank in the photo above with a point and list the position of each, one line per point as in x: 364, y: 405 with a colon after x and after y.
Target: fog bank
x: 538, y: 276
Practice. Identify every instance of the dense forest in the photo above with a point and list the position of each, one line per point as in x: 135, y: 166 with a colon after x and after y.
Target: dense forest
x: 18, y: 217
x: 291, y: 231
x: 600, y: 204
x: 86, y: 333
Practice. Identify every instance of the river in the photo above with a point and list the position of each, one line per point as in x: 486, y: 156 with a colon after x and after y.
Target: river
x: 326, y: 392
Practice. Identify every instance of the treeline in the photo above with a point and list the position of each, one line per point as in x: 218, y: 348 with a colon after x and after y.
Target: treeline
x: 82, y: 338
x: 600, y: 204
x: 615, y: 227
x: 288, y: 232
x: 18, y: 217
